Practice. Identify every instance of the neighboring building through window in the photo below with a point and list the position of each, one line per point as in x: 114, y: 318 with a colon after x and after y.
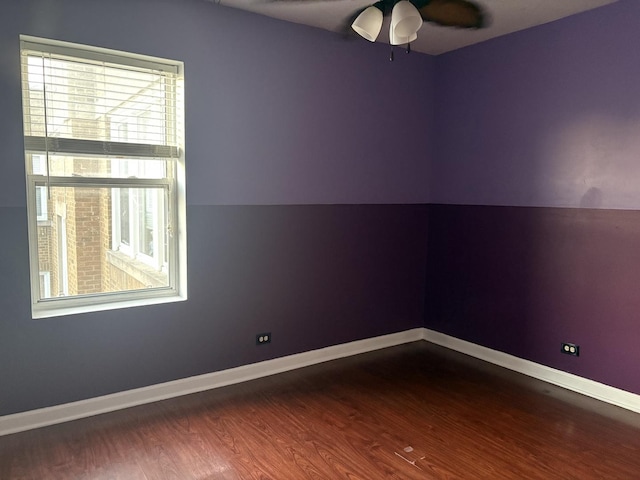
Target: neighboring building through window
x: 45, y: 284
x: 105, y: 177
x: 41, y: 192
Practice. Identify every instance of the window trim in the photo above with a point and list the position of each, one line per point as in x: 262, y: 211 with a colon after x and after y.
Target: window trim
x: 174, y: 183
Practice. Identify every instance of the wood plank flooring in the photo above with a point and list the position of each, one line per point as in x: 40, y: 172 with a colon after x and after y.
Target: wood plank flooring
x: 416, y: 411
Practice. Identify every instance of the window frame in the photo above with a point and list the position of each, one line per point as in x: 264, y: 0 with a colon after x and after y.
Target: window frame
x: 173, y: 201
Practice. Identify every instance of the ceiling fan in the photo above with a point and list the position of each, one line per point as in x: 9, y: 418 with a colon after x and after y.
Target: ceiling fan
x: 407, y: 17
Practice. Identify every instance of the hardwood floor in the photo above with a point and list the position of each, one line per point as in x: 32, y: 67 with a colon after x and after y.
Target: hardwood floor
x: 416, y: 411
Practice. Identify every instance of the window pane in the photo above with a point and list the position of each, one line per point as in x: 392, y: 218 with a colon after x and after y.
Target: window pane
x: 79, y: 249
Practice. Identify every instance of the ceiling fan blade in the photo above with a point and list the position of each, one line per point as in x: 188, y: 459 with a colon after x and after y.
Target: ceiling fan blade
x: 454, y: 13
x: 447, y: 13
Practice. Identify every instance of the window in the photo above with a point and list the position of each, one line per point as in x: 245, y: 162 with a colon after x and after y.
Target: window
x: 41, y: 192
x: 45, y: 284
x: 105, y: 177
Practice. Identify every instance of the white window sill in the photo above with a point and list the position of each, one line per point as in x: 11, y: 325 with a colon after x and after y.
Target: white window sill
x: 47, y: 311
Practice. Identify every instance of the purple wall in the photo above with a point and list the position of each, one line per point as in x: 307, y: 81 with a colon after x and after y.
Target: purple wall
x: 290, y: 130
x: 543, y: 118
x: 303, y: 153
x: 522, y: 280
x: 277, y: 113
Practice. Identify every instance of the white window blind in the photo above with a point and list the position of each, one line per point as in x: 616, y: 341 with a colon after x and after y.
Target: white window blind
x: 73, y: 102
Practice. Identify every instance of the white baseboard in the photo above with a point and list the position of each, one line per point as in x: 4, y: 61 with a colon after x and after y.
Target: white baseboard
x: 94, y: 406
x: 590, y: 388
x: 85, y: 408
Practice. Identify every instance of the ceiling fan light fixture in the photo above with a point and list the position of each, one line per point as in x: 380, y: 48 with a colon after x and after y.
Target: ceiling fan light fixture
x: 398, y: 40
x: 369, y: 23
x: 405, y: 19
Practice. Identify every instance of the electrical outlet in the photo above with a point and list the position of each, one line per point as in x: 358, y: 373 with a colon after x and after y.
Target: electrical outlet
x: 263, y: 338
x: 571, y: 349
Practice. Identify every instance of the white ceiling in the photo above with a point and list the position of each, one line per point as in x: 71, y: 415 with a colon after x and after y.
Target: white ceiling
x: 505, y: 16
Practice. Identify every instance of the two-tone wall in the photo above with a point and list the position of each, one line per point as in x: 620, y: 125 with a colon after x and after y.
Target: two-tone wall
x: 534, y: 227
x: 307, y: 174
x: 490, y: 193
